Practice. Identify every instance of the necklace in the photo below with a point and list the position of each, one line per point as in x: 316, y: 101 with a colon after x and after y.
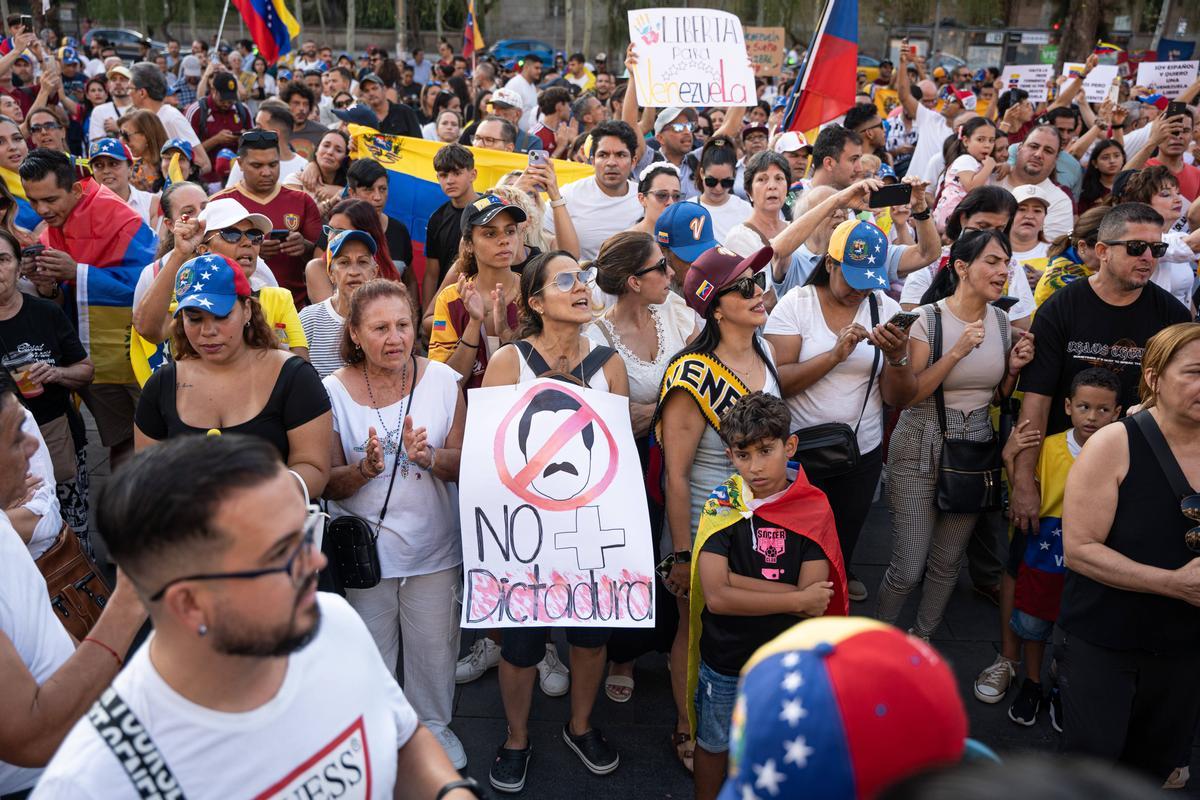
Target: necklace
x: 392, y: 436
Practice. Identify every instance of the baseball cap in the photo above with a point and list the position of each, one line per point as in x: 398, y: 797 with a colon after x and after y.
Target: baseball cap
x: 223, y: 161
x: 226, y: 86
x: 189, y: 67
x: 678, y: 230
x: 1029, y: 191
x: 120, y: 70
x: 370, y: 77
x: 342, y: 238
x: 952, y: 95
x: 485, y: 209
x: 210, y: 283
x: 68, y: 55
x: 755, y: 127
x: 357, y: 114
x: 862, y: 249
x: 715, y: 269
x: 507, y: 97
x: 664, y: 118
x: 23, y: 56
x: 822, y: 707
x: 108, y: 148
x: 939, y: 72
x: 791, y: 142
x: 887, y: 173
x: 225, y: 212
x: 182, y: 145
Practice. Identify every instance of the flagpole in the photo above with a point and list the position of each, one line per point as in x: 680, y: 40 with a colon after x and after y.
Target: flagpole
x: 221, y: 28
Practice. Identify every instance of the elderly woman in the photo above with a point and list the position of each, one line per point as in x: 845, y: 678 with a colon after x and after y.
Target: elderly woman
x: 658, y: 187
x: 399, y: 421
x: 230, y: 376
x: 350, y: 260
x: 111, y: 165
x: 554, y: 311
x: 143, y: 133
x: 392, y: 250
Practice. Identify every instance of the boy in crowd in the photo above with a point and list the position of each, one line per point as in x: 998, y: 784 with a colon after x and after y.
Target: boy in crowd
x: 768, y: 555
x: 1091, y: 404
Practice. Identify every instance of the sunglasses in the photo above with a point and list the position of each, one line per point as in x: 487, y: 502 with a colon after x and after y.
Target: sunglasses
x: 658, y: 266
x: 680, y: 127
x: 1190, y: 506
x: 665, y: 195
x: 233, y: 235
x: 746, y: 286
x: 45, y: 126
x: 254, y: 138
x: 1135, y: 247
x: 565, y: 281
x: 343, y: 104
x: 726, y: 183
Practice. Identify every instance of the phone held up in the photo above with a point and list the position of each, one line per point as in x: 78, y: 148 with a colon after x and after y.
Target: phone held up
x: 898, y: 194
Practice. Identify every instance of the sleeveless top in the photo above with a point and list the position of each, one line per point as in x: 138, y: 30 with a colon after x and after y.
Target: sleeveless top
x: 596, y: 381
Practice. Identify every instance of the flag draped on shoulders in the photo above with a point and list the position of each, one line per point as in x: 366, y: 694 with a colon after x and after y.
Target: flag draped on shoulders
x: 27, y: 218
x: 110, y: 244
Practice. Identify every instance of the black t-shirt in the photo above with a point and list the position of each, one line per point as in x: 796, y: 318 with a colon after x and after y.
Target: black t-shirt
x: 443, y: 235
x: 409, y: 93
x: 40, y: 331
x: 297, y: 397
x: 1075, y: 329
x: 530, y: 252
x: 400, y: 121
x: 755, y: 548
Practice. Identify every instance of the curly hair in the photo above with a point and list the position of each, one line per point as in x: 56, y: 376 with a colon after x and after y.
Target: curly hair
x: 257, y: 334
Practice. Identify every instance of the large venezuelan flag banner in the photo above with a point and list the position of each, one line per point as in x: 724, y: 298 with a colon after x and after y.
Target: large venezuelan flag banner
x: 27, y: 218
x: 825, y: 85
x: 413, y: 190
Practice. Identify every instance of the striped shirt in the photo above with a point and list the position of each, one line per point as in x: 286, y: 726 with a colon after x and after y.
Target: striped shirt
x: 323, y: 328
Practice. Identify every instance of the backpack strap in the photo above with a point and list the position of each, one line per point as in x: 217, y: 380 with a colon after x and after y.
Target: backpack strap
x: 532, y: 357
x: 130, y: 743
x: 594, y: 361
x: 581, y: 375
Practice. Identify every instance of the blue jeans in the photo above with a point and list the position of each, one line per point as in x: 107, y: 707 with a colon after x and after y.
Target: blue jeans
x: 715, y: 698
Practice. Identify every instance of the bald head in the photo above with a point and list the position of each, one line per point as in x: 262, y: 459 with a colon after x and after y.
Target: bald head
x: 928, y: 88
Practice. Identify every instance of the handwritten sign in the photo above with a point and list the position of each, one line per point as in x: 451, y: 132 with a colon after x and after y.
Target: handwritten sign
x: 554, y: 522
x: 1098, y: 81
x: 1030, y: 77
x: 766, y: 47
x: 1167, y: 77
x: 690, y: 57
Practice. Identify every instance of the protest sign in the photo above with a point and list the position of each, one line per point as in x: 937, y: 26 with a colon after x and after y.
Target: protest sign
x: 555, y: 529
x: 766, y: 47
x: 886, y: 101
x: 690, y: 57
x: 1030, y: 77
x: 1169, y: 78
x: 1097, y: 82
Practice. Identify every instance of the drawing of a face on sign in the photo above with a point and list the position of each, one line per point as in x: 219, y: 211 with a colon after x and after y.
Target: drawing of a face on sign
x: 567, y: 471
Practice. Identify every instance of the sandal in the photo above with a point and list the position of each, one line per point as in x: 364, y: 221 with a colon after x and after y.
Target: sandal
x: 685, y: 748
x: 619, y: 688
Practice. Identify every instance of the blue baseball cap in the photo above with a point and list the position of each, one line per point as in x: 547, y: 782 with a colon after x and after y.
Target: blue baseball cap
x: 211, y: 283
x: 342, y: 238
x: 358, y: 114
x: 108, y: 148
x: 182, y: 145
x: 885, y: 172
x: 861, y: 248
x: 679, y: 230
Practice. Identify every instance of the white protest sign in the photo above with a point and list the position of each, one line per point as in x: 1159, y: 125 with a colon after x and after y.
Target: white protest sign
x: 1168, y: 78
x: 690, y: 57
x: 1097, y: 82
x: 1030, y: 77
x: 553, y: 506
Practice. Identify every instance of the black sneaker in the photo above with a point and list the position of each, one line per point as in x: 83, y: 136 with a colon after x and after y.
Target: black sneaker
x: 509, y: 768
x: 1056, y: 709
x: 1024, y: 710
x: 593, y: 750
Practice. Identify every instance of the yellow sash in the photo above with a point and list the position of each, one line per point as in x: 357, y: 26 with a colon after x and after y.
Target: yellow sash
x: 711, y: 384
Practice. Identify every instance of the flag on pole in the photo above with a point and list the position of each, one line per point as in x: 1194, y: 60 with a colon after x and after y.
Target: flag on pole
x: 825, y: 84
x: 272, y: 26
x: 472, y: 38
x: 1104, y: 48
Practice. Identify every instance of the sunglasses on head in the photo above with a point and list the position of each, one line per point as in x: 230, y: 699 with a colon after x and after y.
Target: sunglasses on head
x: 657, y: 266
x: 233, y: 235
x: 565, y: 281
x: 258, y: 138
x: 725, y: 183
x: 1135, y: 247
x: 745, y: 286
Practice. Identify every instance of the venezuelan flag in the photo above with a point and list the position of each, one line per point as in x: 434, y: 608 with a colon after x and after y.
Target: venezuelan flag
x: 472, y: 38
x: 272, y: 26
x: 413, y: 190
x: 825, y: 84
x: 1104, y: 48
x: 27, y: 218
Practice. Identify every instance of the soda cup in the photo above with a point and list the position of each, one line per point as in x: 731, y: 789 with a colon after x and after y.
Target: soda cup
x: 28, y: 387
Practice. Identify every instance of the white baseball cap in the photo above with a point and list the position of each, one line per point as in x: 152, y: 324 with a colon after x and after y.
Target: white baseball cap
x: 507, y: 97
x: 666, y: 117
x: 1029, y: 191
x: 226, y: 212
x: 790, y: 142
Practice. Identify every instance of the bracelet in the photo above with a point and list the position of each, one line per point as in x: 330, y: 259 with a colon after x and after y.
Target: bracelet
x: 559, y: 203
x: 469, y: 784
x: 921, y: 216
x: 468, y: 344
x: 111, y: 652
x: 432, y: 457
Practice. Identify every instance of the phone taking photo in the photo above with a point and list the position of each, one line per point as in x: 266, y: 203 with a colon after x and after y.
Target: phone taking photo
x: 1176, y: 109
x: 898, y: 194
x: 539, y: 158
x: 278, y: 234
x: 904, y: 319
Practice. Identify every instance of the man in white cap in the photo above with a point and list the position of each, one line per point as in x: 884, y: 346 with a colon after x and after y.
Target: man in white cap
x: 509, y: 105
x: 103, y: 121
x: 796, y: 150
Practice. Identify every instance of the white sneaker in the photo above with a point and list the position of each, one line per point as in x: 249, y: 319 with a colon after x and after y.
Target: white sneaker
x: 484, y: 655
x: 992, y: 684
x: 452, y: 746
x: 553, y: 675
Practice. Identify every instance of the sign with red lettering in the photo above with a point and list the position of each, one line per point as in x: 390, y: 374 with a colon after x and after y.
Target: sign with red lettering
x: 690, y: 57
x: 766, y: 47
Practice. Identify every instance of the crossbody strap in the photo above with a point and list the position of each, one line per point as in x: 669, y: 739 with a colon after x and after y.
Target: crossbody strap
x: 939, y: 397
x: 130, y: 743
x: 1162, y: 453
x: 874, y: 302
x: 412, y: 393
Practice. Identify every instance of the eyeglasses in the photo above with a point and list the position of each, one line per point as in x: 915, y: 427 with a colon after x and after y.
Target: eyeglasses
x: 565, y: 281
x: 255, y: 139
x: 44, y: 126
x: 873, y: 127
x: 1135, y: 247
x: 726, y: 183
x: 487, y: 141
x: 233, y: 235
x: 658, y: 266
x: 746, y: 286
x: 1190, y: 506
x: 665, y: 196
x: 292, y: 567
x: 680, y: 127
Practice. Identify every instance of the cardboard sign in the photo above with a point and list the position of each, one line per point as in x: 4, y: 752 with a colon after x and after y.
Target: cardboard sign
x: 766, y: 47
x: 1169, y: 78
x: 1030, y: 77
x: 690, y: 57
x: 555, y: 528
x: 1098, y: 81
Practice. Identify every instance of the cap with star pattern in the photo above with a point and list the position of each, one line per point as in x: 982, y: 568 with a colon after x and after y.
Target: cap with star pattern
x: 862, y: 249
x: 840, y: 708
x: 210, y: 283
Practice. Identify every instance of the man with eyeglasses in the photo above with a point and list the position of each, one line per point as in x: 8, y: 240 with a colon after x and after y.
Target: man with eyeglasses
x: 673, y: 129
x: 246, y: 654
x: 495, y: 133
x: 508, y: 105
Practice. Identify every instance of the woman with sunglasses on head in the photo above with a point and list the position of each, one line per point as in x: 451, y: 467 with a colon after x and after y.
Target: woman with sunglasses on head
x: 393, y: 245
x: 554, y: 310
x: 726, y: 361
x: 143, y: 133
x: 658, y: 187
x: 716, y: 178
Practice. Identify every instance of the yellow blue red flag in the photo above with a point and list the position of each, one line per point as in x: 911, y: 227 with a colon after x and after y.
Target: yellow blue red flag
x: 272, y: 26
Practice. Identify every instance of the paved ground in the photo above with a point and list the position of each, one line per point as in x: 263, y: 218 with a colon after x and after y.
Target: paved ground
x: 640, y: 729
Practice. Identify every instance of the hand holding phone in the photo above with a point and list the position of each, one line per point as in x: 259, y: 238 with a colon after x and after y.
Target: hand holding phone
x: 898, y: 194
x: 904, y: 319
x: 278, y: 234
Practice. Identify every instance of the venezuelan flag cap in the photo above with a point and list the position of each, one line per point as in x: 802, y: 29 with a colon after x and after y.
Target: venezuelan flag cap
x: 840, y: 708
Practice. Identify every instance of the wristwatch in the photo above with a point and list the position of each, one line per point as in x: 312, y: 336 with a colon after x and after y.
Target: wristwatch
x: 470, y: 784
x: 683, y: 556
x: 901, y: 362
x: 921, y: 216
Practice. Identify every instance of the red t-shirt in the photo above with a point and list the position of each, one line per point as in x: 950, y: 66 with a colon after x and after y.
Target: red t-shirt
x: 290, y: 209
x: 1188, y: 177
x: 549, y: 140
x: 237, y: 119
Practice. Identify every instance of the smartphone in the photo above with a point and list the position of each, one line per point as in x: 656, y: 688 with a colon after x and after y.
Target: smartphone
x: 32, y: 251
x: 278, y: 234
x: 1175, y: 109
x: 1005, y: 303
x: 26, y: 20
x: 1114, y: 92
x: 898, y: 194
x: 904, y: 319
x: 539, y: 158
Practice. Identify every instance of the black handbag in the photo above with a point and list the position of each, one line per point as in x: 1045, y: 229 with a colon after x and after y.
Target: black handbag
x: 831, y: 448
x: 968, y: 479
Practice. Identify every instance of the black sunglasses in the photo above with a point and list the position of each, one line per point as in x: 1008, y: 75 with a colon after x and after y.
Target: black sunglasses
x: 233, y: 235
x: 1190, y: 506
x: 746, y: 286
x: 659, y: 266
x: 1135, y: 247
x: 726, y: 183
x: 259, y: 138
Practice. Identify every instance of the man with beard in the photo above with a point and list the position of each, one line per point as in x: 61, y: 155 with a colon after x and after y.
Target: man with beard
x: 103, y: 121
x: 1036, y: 160
x: 252, y: 684
x: 606, y: 84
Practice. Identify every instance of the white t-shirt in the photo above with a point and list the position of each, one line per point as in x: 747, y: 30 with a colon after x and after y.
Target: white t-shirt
x: 734, y: 211
x: 142, y: 202
x: 28, y: 621
x: 837, y: 397
x: 1060, y: 217
x: 287, y: 167
x: 262, y: 277
x: 420, y: 530
x: 932, y: 131
x: 964, y: 163
x: 1176, y: 271
x: 596, y: 216
x: 332, y: 730
x: 918, y: 282
x: 102, y: 112
x: 44, y: 503
x: 323, y: 327
x: 177, y: 125
x: 1037, y: 251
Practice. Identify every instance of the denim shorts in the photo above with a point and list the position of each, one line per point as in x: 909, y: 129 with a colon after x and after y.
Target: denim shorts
x: 715, y: 698
x: 1029, y: 627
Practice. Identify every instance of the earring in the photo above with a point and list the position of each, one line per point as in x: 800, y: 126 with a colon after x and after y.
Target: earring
x: 202, y: 630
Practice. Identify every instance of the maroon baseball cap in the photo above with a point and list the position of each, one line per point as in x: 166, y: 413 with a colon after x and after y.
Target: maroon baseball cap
x: 714, y: 270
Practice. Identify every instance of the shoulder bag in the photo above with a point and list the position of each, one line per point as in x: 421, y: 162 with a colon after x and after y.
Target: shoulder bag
x: 831, y: 448
x: 78, y: 591
x: 968, y: 479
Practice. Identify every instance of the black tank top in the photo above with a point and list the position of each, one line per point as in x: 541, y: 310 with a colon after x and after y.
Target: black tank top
x: 1148, y: 527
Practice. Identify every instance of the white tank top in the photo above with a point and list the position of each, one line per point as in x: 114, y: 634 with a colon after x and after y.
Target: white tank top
x: 597, y: 381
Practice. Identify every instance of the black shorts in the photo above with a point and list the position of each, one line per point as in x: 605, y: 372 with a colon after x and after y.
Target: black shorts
x: 525, y: 647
